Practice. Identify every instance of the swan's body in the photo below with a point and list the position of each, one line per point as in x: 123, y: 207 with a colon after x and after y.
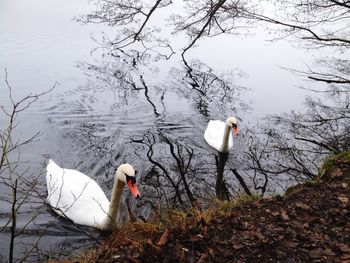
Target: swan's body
x: 78, y: 197
x: 219, y: 136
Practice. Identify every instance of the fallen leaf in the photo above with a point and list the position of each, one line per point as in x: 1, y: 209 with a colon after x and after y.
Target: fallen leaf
x: 149, y: 242
x: 302, y: 206
x: 291, y: 244
x: 203, y: 258
x: 164, y: 238
x: 343, y: 199
x: 344, y: 248
x: 328, y: 252
x: 284, y: 215
x: 237, y: 247
x: 316, y: 253
x: 298, y: 224
x: 275, y: 213
x: 336, y: 173
x: 205, y: 231
x: 259, y: 235
x: 345, y: 257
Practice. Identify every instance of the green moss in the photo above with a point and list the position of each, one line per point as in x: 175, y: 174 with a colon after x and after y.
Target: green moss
x: 313, y: 182
x: 292, y: 189
x: 331, y: 162
x: 299, y: 187
x: 225, y: 207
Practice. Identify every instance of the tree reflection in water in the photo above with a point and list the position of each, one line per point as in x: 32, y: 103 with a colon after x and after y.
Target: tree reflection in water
x: 283, y: 151
x: 213, y: 94
x: 163, y: 120
x: 221, y: 189
x: 180, y: 166
x: 169, y: 176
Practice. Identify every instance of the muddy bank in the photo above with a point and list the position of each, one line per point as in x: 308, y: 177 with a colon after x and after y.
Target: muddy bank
x: 311, y: 223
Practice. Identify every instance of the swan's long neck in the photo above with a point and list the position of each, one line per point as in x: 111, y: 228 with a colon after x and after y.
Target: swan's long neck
x: 112, y: 213
x: 225, y: 139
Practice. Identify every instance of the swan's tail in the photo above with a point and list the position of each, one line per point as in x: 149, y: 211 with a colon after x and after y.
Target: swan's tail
x: 52, y: 171
x: 52, y: 167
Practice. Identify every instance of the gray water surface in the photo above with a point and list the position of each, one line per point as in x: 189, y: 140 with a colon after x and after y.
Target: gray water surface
x: 104, y: 112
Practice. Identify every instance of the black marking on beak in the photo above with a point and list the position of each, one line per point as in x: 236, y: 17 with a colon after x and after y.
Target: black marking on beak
x: 130, y: 178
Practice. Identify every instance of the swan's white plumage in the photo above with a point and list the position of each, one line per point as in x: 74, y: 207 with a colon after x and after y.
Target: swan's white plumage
x: 214, y: 135
x: 76, y: 195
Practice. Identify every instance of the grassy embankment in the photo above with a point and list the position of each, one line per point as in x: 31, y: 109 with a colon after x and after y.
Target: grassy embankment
x: 311, y: 222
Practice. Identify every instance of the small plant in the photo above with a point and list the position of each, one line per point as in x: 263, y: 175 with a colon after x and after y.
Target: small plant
x: 331, y: 162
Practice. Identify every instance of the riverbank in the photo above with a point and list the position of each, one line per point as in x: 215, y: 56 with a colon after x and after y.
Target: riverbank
x: 310, y: 223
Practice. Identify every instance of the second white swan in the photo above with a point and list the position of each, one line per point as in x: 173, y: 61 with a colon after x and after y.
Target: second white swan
x: 219, y: 136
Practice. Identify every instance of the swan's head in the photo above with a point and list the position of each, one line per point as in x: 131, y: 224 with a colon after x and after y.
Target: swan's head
x: 232, y: 122
x: 126, y: 174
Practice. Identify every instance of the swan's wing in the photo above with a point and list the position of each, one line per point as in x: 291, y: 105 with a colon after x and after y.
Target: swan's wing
x: 75, y: 195
x: 214, y: 134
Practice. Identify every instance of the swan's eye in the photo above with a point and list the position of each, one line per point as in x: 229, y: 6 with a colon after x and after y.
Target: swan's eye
x: 234, y: 125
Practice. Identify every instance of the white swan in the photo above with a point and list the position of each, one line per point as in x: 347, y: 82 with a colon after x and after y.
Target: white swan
x: 218, y: 134
x: 78, y: 197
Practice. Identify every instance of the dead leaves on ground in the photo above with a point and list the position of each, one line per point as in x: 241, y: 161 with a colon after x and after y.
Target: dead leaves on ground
x: 310, y: 225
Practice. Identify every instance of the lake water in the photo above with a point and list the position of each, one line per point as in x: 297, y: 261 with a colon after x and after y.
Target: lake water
x: 103, y: 112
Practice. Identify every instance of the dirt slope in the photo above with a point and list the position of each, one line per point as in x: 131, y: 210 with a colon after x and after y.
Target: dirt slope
x: 311, y: 223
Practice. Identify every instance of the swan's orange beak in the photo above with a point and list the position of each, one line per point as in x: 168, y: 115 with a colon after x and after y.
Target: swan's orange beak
x: 133, y: 189
x: 235, y: 131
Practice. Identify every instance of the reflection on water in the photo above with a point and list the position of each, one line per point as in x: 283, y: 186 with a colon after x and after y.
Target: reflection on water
x: 123, y: 112
x: 213, y: 94
x: 156, y: 128
x: 221, y: 189
x: 121, y: 115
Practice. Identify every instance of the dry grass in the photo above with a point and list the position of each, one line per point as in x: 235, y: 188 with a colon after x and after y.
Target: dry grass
x: 135, y: 235
x: 332, y: 162
x: 185, y: 219
x: 86, y: 256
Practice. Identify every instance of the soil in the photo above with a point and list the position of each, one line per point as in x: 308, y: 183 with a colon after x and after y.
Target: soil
x: 311, y: 223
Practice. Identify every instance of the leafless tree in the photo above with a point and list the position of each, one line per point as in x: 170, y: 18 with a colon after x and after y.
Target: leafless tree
x: 210, y: 18
x: 14, y: 179
x: 137, y: 35
x: 294, y: 145
x: 316, y: 23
